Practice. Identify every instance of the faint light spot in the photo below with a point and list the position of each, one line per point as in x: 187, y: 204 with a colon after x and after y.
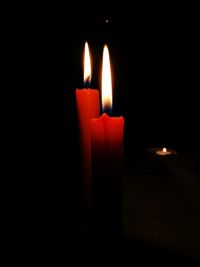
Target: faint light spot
x: 107, y: 20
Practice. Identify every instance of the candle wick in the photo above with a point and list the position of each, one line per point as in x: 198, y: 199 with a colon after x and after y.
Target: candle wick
x: 87, y: 82
x: 107, y: 110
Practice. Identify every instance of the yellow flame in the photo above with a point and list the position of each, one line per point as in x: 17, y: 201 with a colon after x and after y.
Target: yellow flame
x: 164, y: 149
x: 87, y: 64
x: 106, y: 90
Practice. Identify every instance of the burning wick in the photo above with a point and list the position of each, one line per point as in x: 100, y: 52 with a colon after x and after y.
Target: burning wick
x: 163, y: 152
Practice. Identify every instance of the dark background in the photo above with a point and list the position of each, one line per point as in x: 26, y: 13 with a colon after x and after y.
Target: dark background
x: 153, y: 50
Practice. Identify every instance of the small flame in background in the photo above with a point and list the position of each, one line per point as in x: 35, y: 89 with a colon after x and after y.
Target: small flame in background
x: 164, y: 149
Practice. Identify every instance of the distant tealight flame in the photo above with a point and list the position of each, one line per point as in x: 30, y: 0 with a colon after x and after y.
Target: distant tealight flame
x: 87, y: 65
x: 106, y: 90
x: 164, y: 150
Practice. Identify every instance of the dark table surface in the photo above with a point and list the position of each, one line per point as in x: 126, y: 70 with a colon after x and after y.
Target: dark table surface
x: 160, y: 215
x: 161, y: 203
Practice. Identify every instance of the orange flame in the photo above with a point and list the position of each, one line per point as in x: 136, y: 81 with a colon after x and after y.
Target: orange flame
x: 106, y: 92
x: 87, y: 64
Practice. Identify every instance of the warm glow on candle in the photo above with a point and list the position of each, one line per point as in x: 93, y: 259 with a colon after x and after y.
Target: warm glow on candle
x: 164, y: 150
x: 106, y: 90
x: 87, y: 65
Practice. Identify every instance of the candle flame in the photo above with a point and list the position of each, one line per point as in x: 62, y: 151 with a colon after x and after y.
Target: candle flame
x: 87, y: 65
x: 106, y: 92
x: 164, y: 149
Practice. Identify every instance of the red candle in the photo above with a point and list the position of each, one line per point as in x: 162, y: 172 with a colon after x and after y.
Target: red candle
x: 107, y: 158
x: 88, y: 107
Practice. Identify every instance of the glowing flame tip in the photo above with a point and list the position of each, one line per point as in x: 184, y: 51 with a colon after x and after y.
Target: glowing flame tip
x: 87, y: 64
x: 106, y: 80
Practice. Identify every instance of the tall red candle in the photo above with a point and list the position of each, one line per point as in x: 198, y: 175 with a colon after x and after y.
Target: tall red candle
x: 107, y: 159
x: 88, y: 107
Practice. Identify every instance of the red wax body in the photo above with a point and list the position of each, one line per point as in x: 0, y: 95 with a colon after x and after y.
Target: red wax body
x: 107, y: 138
x: 88, y: 107
x: 107, y: 165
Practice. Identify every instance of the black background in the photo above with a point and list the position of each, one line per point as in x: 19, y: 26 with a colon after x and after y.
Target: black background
x: 153, y: 50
